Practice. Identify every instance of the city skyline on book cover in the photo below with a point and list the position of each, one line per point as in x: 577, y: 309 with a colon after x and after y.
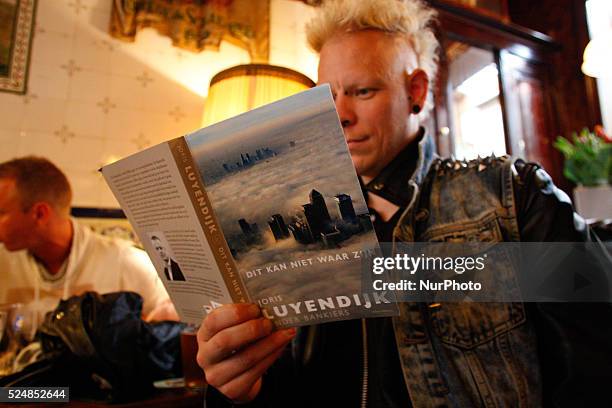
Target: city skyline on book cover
x: 285, y: 192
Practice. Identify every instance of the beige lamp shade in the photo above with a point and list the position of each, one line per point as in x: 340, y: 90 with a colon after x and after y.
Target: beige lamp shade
x: 597, y: 59
x: 242, y: 88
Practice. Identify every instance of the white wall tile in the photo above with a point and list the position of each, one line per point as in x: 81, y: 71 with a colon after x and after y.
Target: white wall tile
x: 9, y: 140
x: 106, y: 199
x: 123, y: 63
x: 44, y: 115
x: 126, y: 92
x: 162, y: 95
x: 87, y: 187
x: 52, y: 82
x: 47, y: 145
x: 90, y: 52
x: 12, y: 111
x: 124, y: 124
x: 94, y: 18
x: 89, y: 86
x: 90, y: 156
x: 54, y: 15
x: 50, y: 48
x: 100, y: 5
x: 85, y: 119
x: 120, y: 148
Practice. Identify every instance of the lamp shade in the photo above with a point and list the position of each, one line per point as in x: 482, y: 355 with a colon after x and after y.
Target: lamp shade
x: 597, y: 61
x: 245, y: 87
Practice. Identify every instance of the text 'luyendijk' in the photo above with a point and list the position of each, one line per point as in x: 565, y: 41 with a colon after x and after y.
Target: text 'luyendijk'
x: 202, y: 201
x: 316, y: 305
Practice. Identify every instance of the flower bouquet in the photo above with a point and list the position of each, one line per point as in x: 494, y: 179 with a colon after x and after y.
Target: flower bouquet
x: 588, y: 163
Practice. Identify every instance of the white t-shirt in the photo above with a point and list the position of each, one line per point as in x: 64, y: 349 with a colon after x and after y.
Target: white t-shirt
x: 96, y: 263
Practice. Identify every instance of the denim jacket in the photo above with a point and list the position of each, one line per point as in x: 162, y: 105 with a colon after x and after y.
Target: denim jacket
x: 497, y: 354
x: 465, y: 354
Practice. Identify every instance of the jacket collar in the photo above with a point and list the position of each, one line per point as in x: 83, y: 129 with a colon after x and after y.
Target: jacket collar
x: 409, y: 166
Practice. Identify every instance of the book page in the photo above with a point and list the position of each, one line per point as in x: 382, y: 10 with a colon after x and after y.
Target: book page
x: 149, y: 187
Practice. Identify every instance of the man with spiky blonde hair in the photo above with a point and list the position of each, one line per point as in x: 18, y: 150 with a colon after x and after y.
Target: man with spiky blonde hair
x: 379, y: 58
x: 410, y: 21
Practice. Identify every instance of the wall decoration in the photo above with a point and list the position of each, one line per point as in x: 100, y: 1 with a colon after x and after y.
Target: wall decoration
x: 16, y: 29
x: 197, y: 25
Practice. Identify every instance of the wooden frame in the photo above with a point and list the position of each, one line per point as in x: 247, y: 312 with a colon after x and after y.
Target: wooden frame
x: 16, y: 31
x: 478, y: 7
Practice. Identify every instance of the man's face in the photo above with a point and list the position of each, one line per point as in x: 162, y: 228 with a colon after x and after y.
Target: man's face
x: 161, y: 250
x: 17, y: 228
x: 367, y: 74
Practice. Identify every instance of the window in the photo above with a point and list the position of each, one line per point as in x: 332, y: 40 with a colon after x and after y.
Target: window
x: 476, y: 114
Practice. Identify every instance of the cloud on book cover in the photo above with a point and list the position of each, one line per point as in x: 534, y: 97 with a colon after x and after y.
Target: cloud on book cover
x: 265, y: 120
x: 282, y: 184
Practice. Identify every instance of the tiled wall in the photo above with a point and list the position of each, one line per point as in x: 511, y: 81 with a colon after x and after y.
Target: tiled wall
x: 92, y: 98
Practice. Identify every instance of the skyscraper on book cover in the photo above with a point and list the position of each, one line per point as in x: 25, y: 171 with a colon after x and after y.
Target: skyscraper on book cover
x: 345, y: 207
x: 316, y: 214
x: 278, y: 227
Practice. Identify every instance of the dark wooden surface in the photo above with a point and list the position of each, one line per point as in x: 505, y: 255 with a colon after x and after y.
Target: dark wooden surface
x: 524, y: 59
x: 574, y: 95
x: 565, y: 21
x: 529, y: 110
x: 539, y: 52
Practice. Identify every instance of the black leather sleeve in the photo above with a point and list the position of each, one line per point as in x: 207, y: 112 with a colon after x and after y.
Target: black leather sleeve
x: 544, y: 212
x: 574, y: 339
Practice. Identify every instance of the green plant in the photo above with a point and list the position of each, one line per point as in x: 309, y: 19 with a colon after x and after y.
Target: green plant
x: 588, y: 160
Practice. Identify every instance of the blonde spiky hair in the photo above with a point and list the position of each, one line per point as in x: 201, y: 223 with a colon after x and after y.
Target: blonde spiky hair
x: 409, y: 18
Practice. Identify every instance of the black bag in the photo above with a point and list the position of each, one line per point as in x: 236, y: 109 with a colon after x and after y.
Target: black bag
x: 99, y: 346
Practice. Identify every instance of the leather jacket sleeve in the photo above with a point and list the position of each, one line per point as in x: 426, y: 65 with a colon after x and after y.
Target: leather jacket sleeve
x: 545, y: 212
x: 574, y: 339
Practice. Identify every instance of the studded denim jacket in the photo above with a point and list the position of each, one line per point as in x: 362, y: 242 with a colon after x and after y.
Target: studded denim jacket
x: 465, y: 354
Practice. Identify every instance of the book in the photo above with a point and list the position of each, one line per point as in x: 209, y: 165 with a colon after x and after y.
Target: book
x: 264, y: 207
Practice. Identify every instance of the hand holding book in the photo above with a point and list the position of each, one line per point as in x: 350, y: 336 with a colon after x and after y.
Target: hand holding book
x: 236, y: 346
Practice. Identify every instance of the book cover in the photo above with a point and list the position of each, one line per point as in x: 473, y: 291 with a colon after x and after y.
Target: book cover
x: 283, y: 219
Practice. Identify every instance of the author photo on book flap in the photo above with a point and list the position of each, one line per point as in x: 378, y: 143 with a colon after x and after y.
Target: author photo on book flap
x: 172, y: 270
x: 380, y: 59
x: 290, y: 221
